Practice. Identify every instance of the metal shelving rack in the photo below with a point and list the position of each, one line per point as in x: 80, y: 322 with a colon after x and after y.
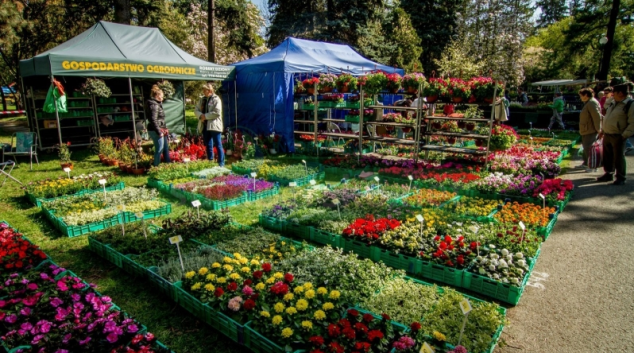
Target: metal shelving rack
x: 137, y: 107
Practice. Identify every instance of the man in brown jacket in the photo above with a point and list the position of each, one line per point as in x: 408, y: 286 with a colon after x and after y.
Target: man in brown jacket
x: 589, y: 123
x: 618, y: 126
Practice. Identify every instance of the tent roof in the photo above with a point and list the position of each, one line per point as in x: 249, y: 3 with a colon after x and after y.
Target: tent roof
x: 305, y: 56
x: 116, y: 50
x: 565, y: 82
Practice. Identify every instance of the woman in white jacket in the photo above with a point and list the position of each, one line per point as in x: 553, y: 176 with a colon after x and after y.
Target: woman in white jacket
x: 209, y: 113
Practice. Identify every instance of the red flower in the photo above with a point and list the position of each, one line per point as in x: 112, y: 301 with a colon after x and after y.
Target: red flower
x: 344, y: 323
x: 334, y: 347
x: 361, y: 327
x: 375, y: 334
x: 279, y: 288
x: 353, y: 313
x: 368, y: 318
x: 247, y: 282
x: 415, y: 326
x: 257, y: 274
x: 249, y: 304
x: 386, y: 317
x: 316, y: 340
x: 232, y: 287
x: 219, y: 292
x: 349, y: 333
x: 362, y: 346
x: 334, y: 330
x: 266, y: 267
x: 288, y: 278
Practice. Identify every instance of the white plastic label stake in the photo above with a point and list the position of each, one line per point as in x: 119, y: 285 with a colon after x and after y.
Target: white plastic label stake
x: 421, y: 219
x: 376, y: 178
x: 336, y: 202
x: 254, y: 174
x: 426, y: 348
x: 255, y: 138
x: 121, y: 208
x: 523, y: 232
x: 175, y: 240
x: 411, y: 179
x: 196, y: 204
x: 186, y: 159
x: 103, y: 183
x: 140, y: 216
x: 292, y: 184
x: 313, y: 182
x: 522, y: 225
x: 543, y: 200
x: 305, y: 166
x: 465, y: 306
x: 67, y: 170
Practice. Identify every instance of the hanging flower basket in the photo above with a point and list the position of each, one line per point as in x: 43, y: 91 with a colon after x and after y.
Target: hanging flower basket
x: 95, y: 87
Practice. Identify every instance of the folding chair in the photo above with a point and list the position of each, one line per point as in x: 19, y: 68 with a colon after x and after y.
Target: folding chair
x: 25, y: 145
x: 7, y: 175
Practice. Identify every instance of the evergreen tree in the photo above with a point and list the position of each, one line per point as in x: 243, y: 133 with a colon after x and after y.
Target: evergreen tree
x: 399, y: 30
x: 552, y: 11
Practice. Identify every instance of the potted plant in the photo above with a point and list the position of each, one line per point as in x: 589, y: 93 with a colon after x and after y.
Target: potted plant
x: 326, y: 83
x: 394, y: 82
x: 64, y: 155
x: 167, y: 88
x: 479, y: 142
x: 95, y: 87
x: 309, y: 84
x: 405, y: 119
x: 346, y: 83
x: 104, y: 147
x: 458, y: 89
x: 483, y: 89
x: 435, y: 89
x: 390, y: 118
x: 436, y: 124
x: 228, y: 145
x: 373, y: 83
x: 142, y: 164
x: 411, y: 82
x: 451, y: 140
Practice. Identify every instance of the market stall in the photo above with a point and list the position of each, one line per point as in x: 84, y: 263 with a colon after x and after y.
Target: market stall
x: 129, y: 59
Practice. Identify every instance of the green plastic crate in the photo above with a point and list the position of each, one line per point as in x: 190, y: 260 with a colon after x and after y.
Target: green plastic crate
x: 299, y: 231
x: 154, y: 183
x: 331, y: 104
x: 363, y: 250
x: 254, y: 196
x: 223, y: 323
x: 38, y: 202
x: 503, y: 292
x: 112, y: 255
x: 399, y: 261
x: 219, y: 205
x: 75, y: 231
x: 240, y: 171
x: 97, y: 247
x: 545, y: 231
x: 129, y: 217
x: 354, y: 119
x: 192, y: 304
x: 258, y: 343
x: 164, y: 286
x: 440, y: 273
x: 132, y: 267
x: 272, y: 223
x: 326, y: 238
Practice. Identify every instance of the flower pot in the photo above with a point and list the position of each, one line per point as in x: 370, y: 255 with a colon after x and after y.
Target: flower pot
x: 488, y: 100
x: 436, y: 125
x: 451, y: 140
x: 479, y: 142
x: 462, y: 124
x: 67, y: 165
x: 456, y: 99
x: 471, y: 126
x: 129, y: 169
x: 343, y: 88
x: 101, y: 158
x: 411, y: 90
x: 310, y: 91
x: 113, y: 162
x: 325, y: 90
x: 406, y: 129
x: 229, y: 152
x: 432, y: 99
x: 138, y: 171
x: 123, y: 167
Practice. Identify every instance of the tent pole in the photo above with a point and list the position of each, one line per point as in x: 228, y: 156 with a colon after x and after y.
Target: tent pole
x: 235, y: 100
x: 133, y: 112
x: 184, y: 109
x: 59, y: 128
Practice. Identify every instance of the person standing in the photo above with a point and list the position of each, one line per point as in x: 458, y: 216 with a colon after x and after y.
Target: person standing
x: 618, y: 126
x: 157, y: 129
x: 606, y: 99
x: 209, y: 113
x: 522, y: 96
x: 558, y: 109
x: 589, y: 123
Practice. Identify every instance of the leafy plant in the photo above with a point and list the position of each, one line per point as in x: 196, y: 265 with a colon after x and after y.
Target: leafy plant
x: 95, y: 87
x: 63, y: 152
x: 413, y: 81
x: 373, y: 83
x: 171, y: 269
x: 435, y: 87
x: 346, y: 80
x: 327, y: 81
x: 458, y: 88
x: 167, y: 88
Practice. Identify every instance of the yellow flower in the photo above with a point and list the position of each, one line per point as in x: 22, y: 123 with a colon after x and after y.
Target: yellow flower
x: 278, y: 275
x: 319, y: 315
x: 234, y: 276
x: 308, y: 286
x: 279, y: 254
x: 228, y: 267
x: 237, y: 255
x: 310, y: 294
x: 299, y: 289
x: 211, y: 277
x: 271, y: 280
x: 301, y: 305
x: 210, y: 287
x: 215, y: 265
x: 276, y: 320
x: 288, y: 296
x: 334, y: 295
x: 197, y: 286
x: 328, y: 306
x: 255, y: 262
x: 322, y: 291
x: 190, y: 274
x: 243, y: 261
x: 291, y: 310
x: 279, y: 307
x: 439, y: 336
x: 265, y: 314
x: 308, y: 325
x: 221, y: 280
x: 260, y: 286
x: 246, y: 270
x: 287, y: 332
x: 203, y: 271
x: 227, y: 260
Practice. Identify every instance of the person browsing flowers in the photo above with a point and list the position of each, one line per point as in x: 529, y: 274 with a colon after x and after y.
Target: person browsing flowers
x: 589, y: 123
x: 157, y: 129
x: 209, y: 113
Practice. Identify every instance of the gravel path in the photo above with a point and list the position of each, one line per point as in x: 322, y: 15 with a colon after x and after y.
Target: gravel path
x: 580, y: 296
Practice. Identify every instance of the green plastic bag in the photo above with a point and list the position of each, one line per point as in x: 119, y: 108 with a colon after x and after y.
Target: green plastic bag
x: 54, y: 98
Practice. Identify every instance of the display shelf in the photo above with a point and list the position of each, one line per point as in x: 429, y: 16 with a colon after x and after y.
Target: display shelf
x: 73, y: 98
x: 305, y: 132
x: 387, y: 123
x: 118, y: 103
x: 390, y: 107
x: 303, y: 121
x: 345, y: 136
x: 456, y: 119
x: 391, y: 140
x: 458, y: 134
x: 451, y: 149
x: 333, y: 120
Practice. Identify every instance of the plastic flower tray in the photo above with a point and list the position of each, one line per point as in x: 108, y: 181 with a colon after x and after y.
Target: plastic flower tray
x: 240, y: 171
x: 154, y: 183
x: 39, y: 202
x: 440, y: 273
x: 299, y: 231
x: 75, y: 231
x: 352, y: 119
x: 331, y: 104
x: 483, y: 219
x: 166, y: 287
x: 254, y: 196
x: 363, y: 250
x: 219, y: 205
x: 258, y: 343
x: 326, y: 238
x: 129, y: 265
x: 321, y: 175
x: 545, y: 231
x: 129, y: 217
x: 272, y: 223
x: 400, y: 261
x: 97, y: 247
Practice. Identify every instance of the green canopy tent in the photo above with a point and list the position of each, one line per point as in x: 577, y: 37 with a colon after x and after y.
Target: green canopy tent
x: 110, y: 50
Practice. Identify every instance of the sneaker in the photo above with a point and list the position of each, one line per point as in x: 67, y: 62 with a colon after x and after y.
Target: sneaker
x: 590, y: 170
x: 581, y: 166
x: 619, y: 182
x: 605, y: 178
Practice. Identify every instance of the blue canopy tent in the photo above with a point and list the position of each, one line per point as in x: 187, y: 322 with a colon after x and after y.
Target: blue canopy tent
x: 265, y: 83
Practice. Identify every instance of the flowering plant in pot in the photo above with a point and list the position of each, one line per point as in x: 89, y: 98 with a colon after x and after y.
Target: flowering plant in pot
x: 346, y: 83
x: 64, y: 155
x: 483, y: 88
x: 458, y: 89
x: 411, y: 82
x: 436, y: 88
x: 393, y: 82
x: 326, y: 83
x: 373, y: 83
x: 309, y: 84
x: 370, y: 229
x: 299, y: 87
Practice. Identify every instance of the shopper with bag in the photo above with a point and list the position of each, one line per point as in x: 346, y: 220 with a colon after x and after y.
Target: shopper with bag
x: 157, y: 129
x: 618, y: 126
x: 589, y: 124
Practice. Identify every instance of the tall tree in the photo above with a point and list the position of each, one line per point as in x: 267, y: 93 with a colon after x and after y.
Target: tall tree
x: 399, y: 30
x: 551, y: 11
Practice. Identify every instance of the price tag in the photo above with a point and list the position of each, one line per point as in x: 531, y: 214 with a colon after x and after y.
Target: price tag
x: 186, y: 159
x: 292, y: 184
x: 120, y: 208
x: 255, y: 138
x: 175, y: 240
x: 139, y: 215
x: 465, y: 306
x: 196, y: 203
x: 420, y: 218
x: 522, y: 226
x: 542, y: 196
x: 410, y: 177
x: 335, y: 201
x: 67, y: 170
x: 426, y: 348
x: 376, y: 178
x: 254, y: 174
x: 102, y: 181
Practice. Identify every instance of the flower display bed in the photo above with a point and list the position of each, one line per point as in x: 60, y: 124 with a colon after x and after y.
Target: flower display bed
x: 38, y: 202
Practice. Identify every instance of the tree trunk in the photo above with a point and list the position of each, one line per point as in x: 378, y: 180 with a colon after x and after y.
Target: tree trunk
x: 607, y: 50
x: 122, y: 13
x: 211, y: 43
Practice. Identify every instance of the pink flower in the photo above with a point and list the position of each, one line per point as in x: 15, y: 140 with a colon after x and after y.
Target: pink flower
x: 247, y: 291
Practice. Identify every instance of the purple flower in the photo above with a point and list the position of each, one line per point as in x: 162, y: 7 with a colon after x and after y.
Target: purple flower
x: 44, y: 276
x: 37, y: 339
x: 44, y: 325
x: 106, y: 299
x: 61, y: 351
x: 112, y: 338
x: 83, y: 342
x: 32, y: 286
x: 25, y: 311
x: 24, y: 281
x: 76, y: 297
x: 67, y: 338
x: 13, y: 275
x: 109, y: 326
x: 132, y: 328
x: 55, y: 302
x: 11, y: 319
x: 26, y: 326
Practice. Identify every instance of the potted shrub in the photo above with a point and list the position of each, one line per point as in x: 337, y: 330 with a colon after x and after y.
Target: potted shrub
x: 435, y: 89
x: 95, y: 87
x: 299, y: 87
x: 326, y: 83
x: 459, y: 90
x: 64, y: 155
x: 394, y: 82
x: 167, y: 88
x: 373, y: 83
x: 483, y: 89
x: 390, y: 118
x: 411, y: 82
x: 405, y: 119
x: 346, y: 83
x: 104, y: 147
x: 309, y: 84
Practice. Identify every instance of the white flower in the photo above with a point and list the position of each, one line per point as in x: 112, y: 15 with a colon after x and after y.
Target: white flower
x: 505, y: 252
x: 479, y: 258
x: 495, y: 256
x: 505, y: 280
x: 503, y: 264
x: 519, y: 255
x: 482, y: 271
x: 496, y: 276
x: 521, y: 263
x: 492, y: 268
x: 492, y: 246
x: 515, y: 280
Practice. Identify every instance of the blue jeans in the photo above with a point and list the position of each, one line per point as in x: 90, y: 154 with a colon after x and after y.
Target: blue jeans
x: 214, y: 138
x: 161, y: 146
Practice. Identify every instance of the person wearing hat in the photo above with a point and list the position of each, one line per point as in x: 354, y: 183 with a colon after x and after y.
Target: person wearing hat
x: 618, y: 126
x: 209, y: 113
